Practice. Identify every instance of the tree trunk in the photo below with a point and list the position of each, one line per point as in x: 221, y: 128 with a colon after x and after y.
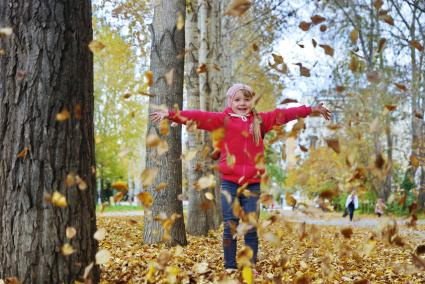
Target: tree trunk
x: 47, y: 68
x: 166, y: 53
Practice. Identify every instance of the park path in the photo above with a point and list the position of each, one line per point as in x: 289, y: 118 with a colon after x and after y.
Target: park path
x: 323, y: 219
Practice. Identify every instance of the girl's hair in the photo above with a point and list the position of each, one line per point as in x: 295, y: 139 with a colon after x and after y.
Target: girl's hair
x: 257, y: 119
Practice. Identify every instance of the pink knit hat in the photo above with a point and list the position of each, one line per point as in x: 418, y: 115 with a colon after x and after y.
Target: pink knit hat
x: 231, y: 92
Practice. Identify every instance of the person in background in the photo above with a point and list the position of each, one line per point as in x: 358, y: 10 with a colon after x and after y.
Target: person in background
x: 352, y: 203
x: 380, y: 207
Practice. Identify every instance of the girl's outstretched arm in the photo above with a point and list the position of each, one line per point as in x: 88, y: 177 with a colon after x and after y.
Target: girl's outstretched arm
x: 204, y: 120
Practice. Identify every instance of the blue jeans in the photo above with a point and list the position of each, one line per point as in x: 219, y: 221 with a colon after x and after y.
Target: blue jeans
x: 248, y: 204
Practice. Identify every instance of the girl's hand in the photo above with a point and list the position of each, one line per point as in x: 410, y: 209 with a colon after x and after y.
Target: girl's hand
x: 321, y: 110
x: 157, y: 116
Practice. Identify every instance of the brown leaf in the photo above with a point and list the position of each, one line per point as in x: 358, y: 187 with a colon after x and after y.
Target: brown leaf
x: 328, y: 194
x: 314, y: 42
x: 417, y: 45
x: 169, y: 77
x: 334, y: 126
x: 290, y: 200
x: 304, y: 71
x: 328, y: 49
x: 354, y: 36
x: 414, y: 161
x: 419, y: 115
x: 237, y: 7
x: 391, y: 107
x: 401, y: 87
x: 4, y: 32
x: 323, y: 28
x: 288, y: 101
x: 277, y: 58
x: 377, y: 4
x: 120, y: 186
x: 149, y: 78
x: 379, y: 161
x: 23, y: 153
x: 96, y: 46
x: 63, y: 115
x: 333, y: 144
x: 381, y: 44
x: 317, y: 19
x: 146, y: 198
x: 388, y: 19
x: 340, y: 89
x: 300, y: 45
x: 255, y: 47
x: 148, y: 176
x: 305, y: 26
x: 373, y: 76
x: 420, y: 249
x: 202, y: 69
x: 347, y: 232
x: 164, y: 128
x: 303, y: 148
x: 354, y: 64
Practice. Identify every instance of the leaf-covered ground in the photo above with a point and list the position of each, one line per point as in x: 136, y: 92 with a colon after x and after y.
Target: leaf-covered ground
x: 289, y: 253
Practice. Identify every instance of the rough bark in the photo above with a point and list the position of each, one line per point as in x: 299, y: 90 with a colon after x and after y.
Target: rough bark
x: 47, y: 67
x: 167, y: 52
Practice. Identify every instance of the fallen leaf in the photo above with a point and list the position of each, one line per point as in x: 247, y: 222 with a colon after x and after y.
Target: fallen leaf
x: 102, y: 256
x: 88, y: 269
x: 238, y: 7
x: 247, y: 274
x: 100, y: 234
x: 314, y: 42
x: 391, y: 107
x: 209, y: 195
x: 347, y: 232
x: 164, y: 127
x: 152, y: 140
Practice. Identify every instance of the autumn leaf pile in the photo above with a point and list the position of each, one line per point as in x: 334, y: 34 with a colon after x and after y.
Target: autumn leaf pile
x: 290, y: 252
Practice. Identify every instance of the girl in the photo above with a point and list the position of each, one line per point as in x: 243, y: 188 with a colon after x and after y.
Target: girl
x: 379, y: 207
x: 241, y: 152
x: 352, y: 203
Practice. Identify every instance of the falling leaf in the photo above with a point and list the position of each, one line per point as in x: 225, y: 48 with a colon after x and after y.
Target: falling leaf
x: 120, y: 185
x: 391, y: 107
x: 314, y: 42
x: 67, y: 249
x: 316, y: 19
x: 120, y: 195
x: 288, y: 101
x: 162, y: 147
x: 164, y: 128
x: 377, y: 4
x: 102, y: 256
x: 78, y: 112
x: 96, y: 46
x: 63, y: 115
x: 379, y: 161
x: 88, y: 269
x: 340, y: 89
x: 414, y: 161
x: 145, y: 94
x: 205, y: 182
x: 277, y: 58
x: 388, y: 19
x: 303, y: 148
x: 149, y: 78
x: 152, y: 140
x: 100, y: 234
x: 354, y: 36
x: 200, y: 268
x: 420, y: 249
x: 373, y: 76
x: 305, y: 26
x: 354, y: 64
x: 247, y: 274
x: 58, y: 199
x: 237, y: 7
x: 202, y: 69
x: 169, y: 77
x: 70, y: 232
x: 347, y: 232
x: 180, y: 21
x: 333, y: 144
x: 23, y: 153
x: 417, y: 45
x: 381, y: 44
x: 209, y: 195
x: 148, y: 176
x: 323, y: 28
x: 328, y: 49
x: 146, y: 198
x: 401, y: 87
x: 2, y: 52
x: 419, y: 115
x: 82, y: 185
x: 290, y: 200
x: 255, y: 47
x: 4, y: 32
x: 300, y: 45
x: 328, y: 194
x: 189, y: 155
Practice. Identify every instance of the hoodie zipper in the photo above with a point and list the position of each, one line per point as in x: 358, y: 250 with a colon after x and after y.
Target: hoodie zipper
x: 245, y: 149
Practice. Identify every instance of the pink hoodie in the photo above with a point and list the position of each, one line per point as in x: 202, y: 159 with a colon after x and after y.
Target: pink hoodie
x: 239, y: 138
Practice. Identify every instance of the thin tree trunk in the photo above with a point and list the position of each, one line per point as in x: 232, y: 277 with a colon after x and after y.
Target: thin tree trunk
x: 47, y: 68
x: 166, y: 53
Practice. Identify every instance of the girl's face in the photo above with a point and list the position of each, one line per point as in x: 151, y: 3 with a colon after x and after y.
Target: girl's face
x: 241, y: 104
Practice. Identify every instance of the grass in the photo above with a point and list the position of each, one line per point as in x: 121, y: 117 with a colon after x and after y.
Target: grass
x: 120, y: 208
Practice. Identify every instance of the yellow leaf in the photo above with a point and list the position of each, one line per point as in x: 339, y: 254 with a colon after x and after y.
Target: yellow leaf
x: 88, y: 269
x: 354, y: 36
x: 119, y: 196
x: 180, y: 21
x: 63, y: 115
x: 202, y: 69
x: 100, y: 234
x: 277, y: 58
x: 377, y: 4
x: 102, y: 256
x: 5, y: 32
x: 237, y: 7
x: 145, y: 198
x: 201, y: 267
x: 164, y: 128
x: 58, y: 199
x: 205, y: 182
x: 23, y: 153
x: 209, y: 195
x: 148, y: 176
x: 189, y: 155
x: 247, y: 274
x: 152, y: 140
x: 169, y: 77
x: 120, y: 185
x: 70, y: 232
x: 67, y: 249
x: 82, y: 185
x: 96, y: 46
x: 149, y: 78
